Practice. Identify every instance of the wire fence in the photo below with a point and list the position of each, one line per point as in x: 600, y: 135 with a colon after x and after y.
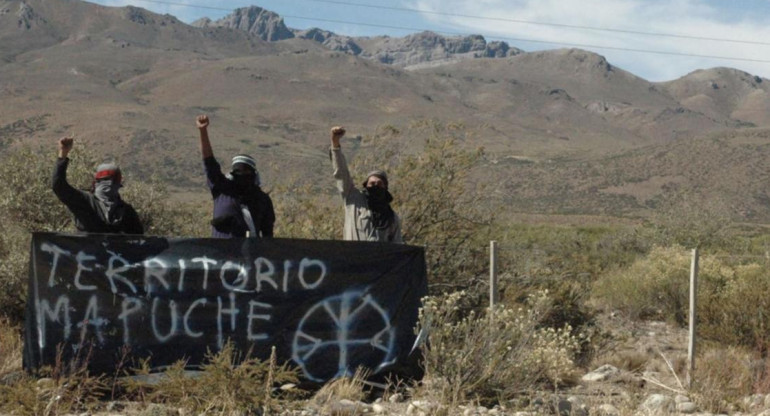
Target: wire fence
x: 727, y: 287
x: 528, y: 265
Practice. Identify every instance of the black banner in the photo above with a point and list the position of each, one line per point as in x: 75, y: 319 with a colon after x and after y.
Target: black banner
x: 328, y: 306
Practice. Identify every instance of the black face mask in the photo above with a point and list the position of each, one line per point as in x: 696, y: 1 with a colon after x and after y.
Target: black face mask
x: 377, y: 196
x: 244, y: 182
x: 379, y: 200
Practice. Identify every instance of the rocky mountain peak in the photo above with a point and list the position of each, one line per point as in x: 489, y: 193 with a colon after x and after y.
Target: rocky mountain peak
x: 588, y: 60
x: 257, y: 21
x: 724, y: 74
x: 410, y: 50
x: 138, y: 15
x: 202, y: 22
x: 458, y: 44
x: 450, y: 44
x: 425, y: 47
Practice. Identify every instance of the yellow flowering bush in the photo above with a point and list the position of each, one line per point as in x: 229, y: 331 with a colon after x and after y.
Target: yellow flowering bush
x: 493, y: 355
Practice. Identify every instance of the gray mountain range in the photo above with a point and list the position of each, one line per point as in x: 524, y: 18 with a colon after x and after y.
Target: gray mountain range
x: 409, y: 51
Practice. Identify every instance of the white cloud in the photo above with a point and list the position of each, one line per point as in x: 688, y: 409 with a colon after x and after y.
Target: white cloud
x: 705, y: 18
x: 687, y: 17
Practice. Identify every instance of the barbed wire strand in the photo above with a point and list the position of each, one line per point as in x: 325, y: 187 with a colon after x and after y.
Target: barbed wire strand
x: 509, y: 39
x: 540, y: 23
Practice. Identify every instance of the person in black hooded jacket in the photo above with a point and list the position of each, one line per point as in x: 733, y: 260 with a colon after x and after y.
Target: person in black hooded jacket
x: 241, y: 207
x: 102, y: 210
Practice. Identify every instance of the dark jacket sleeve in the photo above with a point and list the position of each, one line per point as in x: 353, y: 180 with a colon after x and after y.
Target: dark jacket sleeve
x: 214, y: 176
x: 268, y: 220
x: 131, y: 222
x: 74, y: 199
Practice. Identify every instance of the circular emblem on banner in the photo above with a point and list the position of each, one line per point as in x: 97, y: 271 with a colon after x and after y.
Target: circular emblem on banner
x: 341, y: 333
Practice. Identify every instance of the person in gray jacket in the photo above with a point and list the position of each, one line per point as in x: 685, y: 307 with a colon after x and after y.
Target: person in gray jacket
x: 368, y: 215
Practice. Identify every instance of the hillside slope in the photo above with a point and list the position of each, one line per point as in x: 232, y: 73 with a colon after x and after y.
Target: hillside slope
x: 567, y: 131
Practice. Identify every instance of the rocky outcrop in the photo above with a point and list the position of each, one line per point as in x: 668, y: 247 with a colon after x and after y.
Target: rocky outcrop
x: 257, y: 21
x: 431, y: 47
x: 343, y: 44
x: 601, y: 374
x: 27, y: 18
x: 499, y: 49
x: 315, y: 34
x: 203, y: 22
x: 410, y: 50
x: 138, y: 15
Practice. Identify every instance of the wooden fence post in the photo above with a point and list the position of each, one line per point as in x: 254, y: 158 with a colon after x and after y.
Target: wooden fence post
x: 493, y: 295
x: 693, y: 319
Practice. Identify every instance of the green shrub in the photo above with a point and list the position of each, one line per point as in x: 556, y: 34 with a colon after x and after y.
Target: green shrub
x: 14, y: 258
x: 541, y: 254
x: 733, y: 304
x: 26, y: 198
x: 735, y: 310
x: 565, y: 260
x: 303, y: 211
x: 654, y: 287
x: 27, y: 204
x: 163, y: 216
x: 492, y: 356
x: 441, y: 205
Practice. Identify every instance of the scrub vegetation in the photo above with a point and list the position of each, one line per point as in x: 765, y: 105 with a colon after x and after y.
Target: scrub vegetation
x: 557, y: 282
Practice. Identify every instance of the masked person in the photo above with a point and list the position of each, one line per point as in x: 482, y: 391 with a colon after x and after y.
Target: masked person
x: 101, y: 210
x: 241, y: 208
x: 368, y: 215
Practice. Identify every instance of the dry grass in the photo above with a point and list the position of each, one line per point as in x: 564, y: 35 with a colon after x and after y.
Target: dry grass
x: 66, y: 387
x: 229, y: 382
x: 633, y: 361
x: 724, y: 376
x: 345, y: 388
x: 10, y: 348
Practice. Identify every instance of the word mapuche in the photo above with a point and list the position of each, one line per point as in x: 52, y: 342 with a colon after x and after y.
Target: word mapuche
x: 160, y: 278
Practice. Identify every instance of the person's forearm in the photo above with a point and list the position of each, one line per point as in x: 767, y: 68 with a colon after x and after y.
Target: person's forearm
x: 59, y: 183
x: 341, y: 173
x: 63, y: 154
x: 59, y: 178
x: 206, y: 150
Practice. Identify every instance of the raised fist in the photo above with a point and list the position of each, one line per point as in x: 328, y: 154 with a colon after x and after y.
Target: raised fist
x: 338, y: 131
x: 202, y: 121
x: 65, y: 145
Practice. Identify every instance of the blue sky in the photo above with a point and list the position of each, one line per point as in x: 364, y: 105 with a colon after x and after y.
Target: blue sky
x: 744, y: 21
